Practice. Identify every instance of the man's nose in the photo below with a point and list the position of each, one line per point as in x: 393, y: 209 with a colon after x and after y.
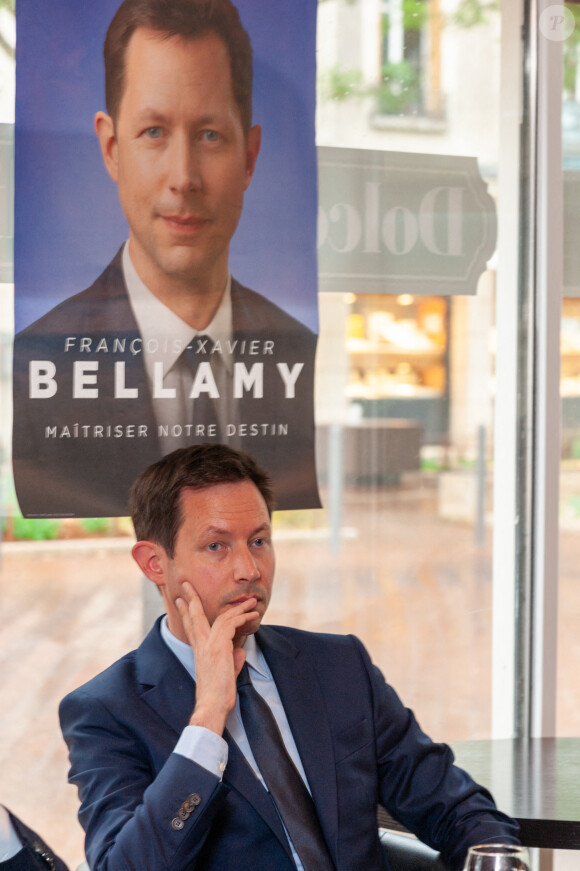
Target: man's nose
x: 246, y: 567
x: 183, y: 164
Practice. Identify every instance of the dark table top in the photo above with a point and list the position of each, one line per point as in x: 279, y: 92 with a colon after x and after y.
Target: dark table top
x: 535, y: 780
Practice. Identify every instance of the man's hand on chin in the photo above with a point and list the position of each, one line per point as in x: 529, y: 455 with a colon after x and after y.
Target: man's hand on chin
x: 217, y: 661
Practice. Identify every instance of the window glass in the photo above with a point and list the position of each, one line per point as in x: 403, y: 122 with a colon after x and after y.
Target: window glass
x: 408, y: 377
x: 401, y: 554
x: 410, y: 58
x: 568, y: 714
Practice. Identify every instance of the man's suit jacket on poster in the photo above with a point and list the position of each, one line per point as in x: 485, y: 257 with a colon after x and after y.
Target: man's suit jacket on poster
x: 67, y: 457
x: 358, y: 744
x: 35, y: 854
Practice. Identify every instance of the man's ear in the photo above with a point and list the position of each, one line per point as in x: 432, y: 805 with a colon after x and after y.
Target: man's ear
x: 151, y: 559
x: 105, y: 130
x: 253, y: 143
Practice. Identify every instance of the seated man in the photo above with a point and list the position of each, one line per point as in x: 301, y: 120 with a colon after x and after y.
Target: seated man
x: 21, y: 849
x: 178, y: 767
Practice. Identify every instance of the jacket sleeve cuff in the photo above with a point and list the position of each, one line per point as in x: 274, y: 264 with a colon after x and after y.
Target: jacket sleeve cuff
x: 204, y: 747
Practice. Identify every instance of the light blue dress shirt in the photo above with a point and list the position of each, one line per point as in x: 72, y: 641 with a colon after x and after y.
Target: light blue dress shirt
x: 209, y: 750
x: 10, y: 843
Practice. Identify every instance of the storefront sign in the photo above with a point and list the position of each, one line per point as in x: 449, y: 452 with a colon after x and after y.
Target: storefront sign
x: 391, y: 222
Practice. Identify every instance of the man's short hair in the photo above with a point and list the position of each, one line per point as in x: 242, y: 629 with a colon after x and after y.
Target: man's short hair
x: 189, y: 19
x: 155, y: 501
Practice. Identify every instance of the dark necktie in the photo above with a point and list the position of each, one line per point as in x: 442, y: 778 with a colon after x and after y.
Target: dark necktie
x: 282, y: 778
x: 204, y: 407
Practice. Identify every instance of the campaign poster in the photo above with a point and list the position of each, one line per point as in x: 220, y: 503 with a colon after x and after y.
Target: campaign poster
x: 125, y: 347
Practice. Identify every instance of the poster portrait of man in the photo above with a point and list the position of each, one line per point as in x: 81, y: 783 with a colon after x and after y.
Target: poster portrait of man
x: 203, y: 325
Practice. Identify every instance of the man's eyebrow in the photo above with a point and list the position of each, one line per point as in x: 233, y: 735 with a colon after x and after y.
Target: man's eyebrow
x: 208, y: 120
x: 217, y: 530
x: 151, y: 114
x: 263, y: 527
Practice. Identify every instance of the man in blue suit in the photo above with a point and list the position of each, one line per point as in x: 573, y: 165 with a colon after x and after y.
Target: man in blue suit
x: 169, y: 764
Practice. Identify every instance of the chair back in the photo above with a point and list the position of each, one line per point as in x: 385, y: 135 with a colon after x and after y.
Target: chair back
x: 406, y: 853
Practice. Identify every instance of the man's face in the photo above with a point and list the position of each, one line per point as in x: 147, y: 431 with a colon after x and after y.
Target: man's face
x: 224, y: 550
x: 180, y: 157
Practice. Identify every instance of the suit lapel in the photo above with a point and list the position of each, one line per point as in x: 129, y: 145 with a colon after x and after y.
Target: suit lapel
x: 298, y: 685
x: 118, y: 320
x: 167, y: 687
x: 239, y: 776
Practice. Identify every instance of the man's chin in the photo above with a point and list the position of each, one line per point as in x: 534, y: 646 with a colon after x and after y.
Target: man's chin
x: 249, y: 629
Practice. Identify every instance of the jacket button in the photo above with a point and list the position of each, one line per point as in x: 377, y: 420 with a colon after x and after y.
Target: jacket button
x: 177, y: 824
x: 194, y: 798
x: 183, y: 814
x: 44, y: 855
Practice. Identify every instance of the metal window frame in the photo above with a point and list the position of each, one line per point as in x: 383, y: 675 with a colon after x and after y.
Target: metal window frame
x: 527, y: 425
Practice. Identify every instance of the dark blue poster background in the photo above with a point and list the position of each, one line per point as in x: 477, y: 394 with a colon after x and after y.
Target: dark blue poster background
x: 68, y: 222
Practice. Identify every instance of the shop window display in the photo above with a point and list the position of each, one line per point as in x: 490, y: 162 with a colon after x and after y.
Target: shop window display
x: 397, y: 347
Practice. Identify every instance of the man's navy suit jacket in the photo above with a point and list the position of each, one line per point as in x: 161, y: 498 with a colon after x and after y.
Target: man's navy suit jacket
x: 76, y: 475
x: 358, y: 744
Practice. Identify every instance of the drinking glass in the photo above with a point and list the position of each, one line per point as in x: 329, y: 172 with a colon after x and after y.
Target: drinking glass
x: 497, y: 857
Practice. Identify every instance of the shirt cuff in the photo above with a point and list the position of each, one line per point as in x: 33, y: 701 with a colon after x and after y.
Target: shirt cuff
x: 10, y: 843
x: 205, y: 748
